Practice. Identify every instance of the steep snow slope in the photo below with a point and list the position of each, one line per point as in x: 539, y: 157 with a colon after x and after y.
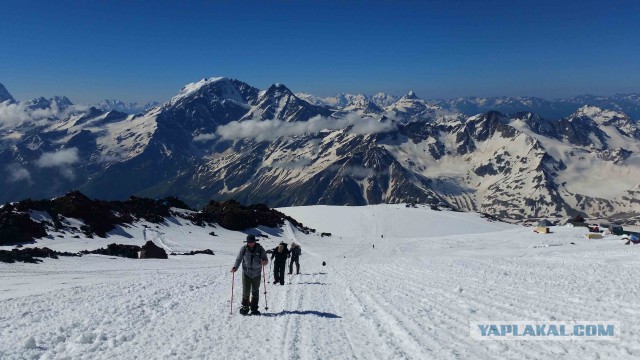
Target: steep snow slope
x: 410, y: 297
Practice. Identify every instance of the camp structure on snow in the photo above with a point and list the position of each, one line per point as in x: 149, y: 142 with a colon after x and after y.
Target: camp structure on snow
x: 542, y: 230
x: 543, y: 226
x: 594, y: 228
x: 593, y: 235
x: 616, y: 229
x: 575, y: 221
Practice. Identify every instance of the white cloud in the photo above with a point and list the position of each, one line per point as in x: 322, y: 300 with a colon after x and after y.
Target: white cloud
x: 18, y: 173
x: 60, y: 158
x: 15, y: 114
x: 269, y: 130
x: 204, y: 137
x: 67, y: 172
x: 12, y: 115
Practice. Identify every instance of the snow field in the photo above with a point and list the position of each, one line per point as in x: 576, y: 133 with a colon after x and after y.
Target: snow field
x: 410, y: 297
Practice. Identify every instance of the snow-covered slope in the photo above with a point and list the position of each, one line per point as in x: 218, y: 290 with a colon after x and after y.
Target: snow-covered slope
x: 398, y: 283
x: 311, y: 99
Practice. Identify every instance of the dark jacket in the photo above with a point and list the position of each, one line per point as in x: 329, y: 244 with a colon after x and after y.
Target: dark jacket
x: 296, y: 251
x: 280, y: 257
x: 251, y: 260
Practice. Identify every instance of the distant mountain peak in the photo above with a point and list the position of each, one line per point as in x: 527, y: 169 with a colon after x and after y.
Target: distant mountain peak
x: 597, y: 112
x: 410, y: 96
x: 62, y: 102
x: 588, y: 110
x: 39, y: 103
x: 196, y: 87
x: 128, y: 108
x: 383, y: 100
x: 4, y: 95
x: 279, y: 90
x: 310, y: 98
x: 362, y: 104
x: 601, y: 116
x: 278, y: 102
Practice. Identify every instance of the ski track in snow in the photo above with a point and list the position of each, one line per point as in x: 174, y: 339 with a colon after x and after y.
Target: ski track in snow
x: 409, y: 298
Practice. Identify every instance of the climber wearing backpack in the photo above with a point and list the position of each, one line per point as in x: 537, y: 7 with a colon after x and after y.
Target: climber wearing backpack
x: 253, y: 257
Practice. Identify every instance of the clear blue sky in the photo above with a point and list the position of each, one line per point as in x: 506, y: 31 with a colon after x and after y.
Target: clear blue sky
x: 141, y: 51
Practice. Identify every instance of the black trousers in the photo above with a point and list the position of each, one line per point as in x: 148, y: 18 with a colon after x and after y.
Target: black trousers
x: 297, y: 261
x: 278, y: 271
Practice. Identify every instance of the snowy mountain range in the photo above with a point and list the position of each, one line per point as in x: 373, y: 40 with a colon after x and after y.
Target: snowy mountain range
x: 549, y: 109
x: 221, y: 138
x: 125, y: 107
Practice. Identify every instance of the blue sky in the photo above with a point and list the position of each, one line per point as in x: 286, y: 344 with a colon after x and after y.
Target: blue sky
x: 141, y: 51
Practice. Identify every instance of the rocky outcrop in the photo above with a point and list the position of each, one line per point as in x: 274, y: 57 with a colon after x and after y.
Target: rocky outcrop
x: 152, y: 251
x: 17, y: 227
x: 30, y: 255
x: 127, y: 251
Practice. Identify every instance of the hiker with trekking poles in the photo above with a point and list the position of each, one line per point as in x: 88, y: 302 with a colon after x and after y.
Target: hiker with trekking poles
x: 253, y: 258
x: 280, y: 254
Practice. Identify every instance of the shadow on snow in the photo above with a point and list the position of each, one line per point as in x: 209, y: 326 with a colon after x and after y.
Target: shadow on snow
x: 311, y: 283
x: 307, y: 312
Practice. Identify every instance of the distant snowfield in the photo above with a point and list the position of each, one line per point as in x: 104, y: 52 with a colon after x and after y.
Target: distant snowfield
x: 412, y: 296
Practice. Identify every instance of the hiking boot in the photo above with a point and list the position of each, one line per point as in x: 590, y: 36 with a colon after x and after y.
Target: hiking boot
x: 254, y: 307
x: 244, y: 310
x: 275, y: 282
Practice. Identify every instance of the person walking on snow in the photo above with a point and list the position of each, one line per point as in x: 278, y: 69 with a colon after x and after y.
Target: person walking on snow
x: 281, y: 254
x: 253, y: 257
x: 295, y: 258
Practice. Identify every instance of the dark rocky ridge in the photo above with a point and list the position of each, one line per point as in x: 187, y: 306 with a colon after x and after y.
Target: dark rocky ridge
x: 100, y: 217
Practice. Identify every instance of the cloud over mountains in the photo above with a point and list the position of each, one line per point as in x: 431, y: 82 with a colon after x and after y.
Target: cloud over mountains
x: 269, y: 130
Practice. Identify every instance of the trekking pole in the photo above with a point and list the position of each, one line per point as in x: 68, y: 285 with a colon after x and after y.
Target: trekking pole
x: 233, y: 282
x: 264, y: 281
